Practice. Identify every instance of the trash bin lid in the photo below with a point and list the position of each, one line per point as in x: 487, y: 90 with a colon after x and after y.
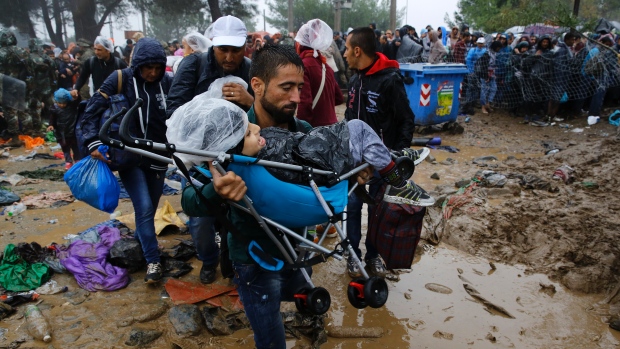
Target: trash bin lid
x: 441, y: 68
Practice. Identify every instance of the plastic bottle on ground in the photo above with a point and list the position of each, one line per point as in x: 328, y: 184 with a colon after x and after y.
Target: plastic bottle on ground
x: 37, y: 324
x: 15, y: 209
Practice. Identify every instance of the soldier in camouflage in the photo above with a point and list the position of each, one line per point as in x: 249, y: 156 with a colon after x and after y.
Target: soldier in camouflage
x: 42, y: 86
x: 14, y: 62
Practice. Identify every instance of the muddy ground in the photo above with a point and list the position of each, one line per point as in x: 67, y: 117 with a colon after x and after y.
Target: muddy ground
x: 546, y: 256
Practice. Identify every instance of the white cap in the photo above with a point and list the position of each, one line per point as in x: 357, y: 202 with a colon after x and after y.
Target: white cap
x: 481, y: 41
x: 228, y: 31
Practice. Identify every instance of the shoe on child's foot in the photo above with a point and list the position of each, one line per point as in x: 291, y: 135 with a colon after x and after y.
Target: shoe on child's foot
x: 154, y: 273
x: 409, y: 194
x: 68, y: 165
x: 417, y: 155
x: 331, y: 233
x: 376, y: 267
x: 353, y: 268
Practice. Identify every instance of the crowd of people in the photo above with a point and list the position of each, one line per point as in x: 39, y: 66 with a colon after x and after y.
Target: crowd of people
x: 291, y: 83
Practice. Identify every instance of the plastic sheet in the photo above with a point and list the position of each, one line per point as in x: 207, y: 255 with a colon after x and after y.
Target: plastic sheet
x: 315, y: 34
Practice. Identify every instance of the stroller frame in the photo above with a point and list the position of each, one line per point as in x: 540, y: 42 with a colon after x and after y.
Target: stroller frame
x: 361, y: 292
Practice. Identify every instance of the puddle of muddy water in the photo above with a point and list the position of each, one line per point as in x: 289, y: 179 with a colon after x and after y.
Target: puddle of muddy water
x: 414, y: 314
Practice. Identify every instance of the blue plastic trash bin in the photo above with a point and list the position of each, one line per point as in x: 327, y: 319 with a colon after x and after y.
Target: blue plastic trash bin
x: 435, y: 91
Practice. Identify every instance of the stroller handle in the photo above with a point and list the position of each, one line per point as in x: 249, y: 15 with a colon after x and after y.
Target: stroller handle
x: 123, y: 131
x: 103, y: 132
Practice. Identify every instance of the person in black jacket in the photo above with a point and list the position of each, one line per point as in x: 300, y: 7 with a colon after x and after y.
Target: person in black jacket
x: 63, y: 116
x: 225, y: 57
x: 195, y: 74
x: 100, y: 66
x: 144, y: 178
x: 376, y: 96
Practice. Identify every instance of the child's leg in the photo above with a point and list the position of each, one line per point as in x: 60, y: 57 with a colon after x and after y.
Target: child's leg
x: 73, y: 144
x: 66, y: 149
x: 366, y: 145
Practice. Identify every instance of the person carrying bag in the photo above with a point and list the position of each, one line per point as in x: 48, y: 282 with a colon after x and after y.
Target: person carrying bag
x: 143, y: 178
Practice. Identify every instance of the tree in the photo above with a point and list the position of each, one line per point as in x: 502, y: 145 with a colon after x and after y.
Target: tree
x: 173, y: 19
x: 84, y: 14
x: 362, y: 13
x: 20, y: 16
x: 497, y: 15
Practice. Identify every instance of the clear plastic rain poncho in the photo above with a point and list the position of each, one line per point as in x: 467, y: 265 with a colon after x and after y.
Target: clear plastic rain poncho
x: 315, y: 34
x: 107, y: 44
x: 215, y: 89
x: 198, y: 42
x: 206, y: 123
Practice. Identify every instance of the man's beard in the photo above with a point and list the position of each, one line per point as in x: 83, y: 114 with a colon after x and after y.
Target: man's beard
x: 278, y: 115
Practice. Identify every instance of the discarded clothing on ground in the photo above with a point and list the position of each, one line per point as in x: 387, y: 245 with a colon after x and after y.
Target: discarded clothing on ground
x: 88, y: 262
x: 16, y: 180
x: 8, y: 197
x: 533, y: 182
x: 18, y: 275
x: 490, y: 179
x: 45, y: 200
x: 52, y: 175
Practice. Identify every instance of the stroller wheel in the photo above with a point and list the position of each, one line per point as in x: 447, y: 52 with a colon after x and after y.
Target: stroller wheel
x: 301, y: 300
x: 318, y: 301
x: 375, y: 292
x: 355, y: 293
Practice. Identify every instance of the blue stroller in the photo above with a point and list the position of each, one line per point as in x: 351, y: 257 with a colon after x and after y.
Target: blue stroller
x: 291, y: 206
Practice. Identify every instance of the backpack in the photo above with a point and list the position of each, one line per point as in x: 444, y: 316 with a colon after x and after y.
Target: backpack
x: 121, y: 159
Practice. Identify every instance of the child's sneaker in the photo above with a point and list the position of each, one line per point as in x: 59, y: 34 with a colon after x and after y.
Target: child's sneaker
x: 68, y: 165
x: 331, y: 233
x: 409, y: 194
x: 416, y: 155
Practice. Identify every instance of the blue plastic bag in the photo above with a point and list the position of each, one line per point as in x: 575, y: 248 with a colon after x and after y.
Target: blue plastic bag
x: 614, y: 118
x: 92, y: 181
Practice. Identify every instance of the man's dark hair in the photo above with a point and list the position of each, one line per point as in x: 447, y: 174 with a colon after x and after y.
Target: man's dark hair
x: 364, y: 38
x: 267, y: 60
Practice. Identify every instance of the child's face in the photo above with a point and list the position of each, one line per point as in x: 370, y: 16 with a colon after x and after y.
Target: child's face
x: 252, y: 142
x: 61, y: 105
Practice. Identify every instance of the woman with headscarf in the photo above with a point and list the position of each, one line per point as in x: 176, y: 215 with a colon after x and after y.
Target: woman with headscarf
x: 320, y: 93
x: 438, y: 51
x: 194, y: 44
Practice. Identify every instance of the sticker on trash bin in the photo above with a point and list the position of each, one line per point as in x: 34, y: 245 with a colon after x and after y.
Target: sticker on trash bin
x: 425, y: 95
x: 445, y: 93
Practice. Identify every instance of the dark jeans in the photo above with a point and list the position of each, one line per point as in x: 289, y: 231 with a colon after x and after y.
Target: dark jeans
x: 354, y: 221
x: 597, y: 102
x: 145, y: 188
x: 261, y: 293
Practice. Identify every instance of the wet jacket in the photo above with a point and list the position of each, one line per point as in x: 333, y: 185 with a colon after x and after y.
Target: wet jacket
x: 99, y: 70
x: 147, y: 51
x: 331, y: 96
x: 63, y: 119
x: 408, y: 51
x: 196, y: 73
x: 377, y: 96
x: 472, y: 56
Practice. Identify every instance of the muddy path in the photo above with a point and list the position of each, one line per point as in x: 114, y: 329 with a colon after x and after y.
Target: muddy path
x: 547, y: 258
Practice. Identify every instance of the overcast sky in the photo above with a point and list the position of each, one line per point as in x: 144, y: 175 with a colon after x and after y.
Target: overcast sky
x: 419, y: 15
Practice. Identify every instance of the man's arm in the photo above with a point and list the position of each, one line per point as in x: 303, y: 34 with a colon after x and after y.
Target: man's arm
x: 224, y: 187
x: 184, y: 83
x: 84, y: 74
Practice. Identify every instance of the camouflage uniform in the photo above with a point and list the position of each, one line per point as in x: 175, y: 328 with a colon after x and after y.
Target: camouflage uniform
x: 14, y: 62
x: 87, y: 52
x: 43, y: 85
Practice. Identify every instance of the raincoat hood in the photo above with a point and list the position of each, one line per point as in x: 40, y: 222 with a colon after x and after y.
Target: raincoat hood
x: 148, y: 51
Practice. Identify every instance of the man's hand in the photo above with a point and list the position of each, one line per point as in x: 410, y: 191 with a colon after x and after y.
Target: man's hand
x: 364, y: 175
x: 50, y: 128
x: 74, y: 93
x: 228, y: 186
x: 97, y: 155
x: 237, y: 94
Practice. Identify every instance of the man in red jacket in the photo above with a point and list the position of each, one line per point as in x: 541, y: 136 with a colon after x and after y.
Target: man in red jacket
x: 321, y: 92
